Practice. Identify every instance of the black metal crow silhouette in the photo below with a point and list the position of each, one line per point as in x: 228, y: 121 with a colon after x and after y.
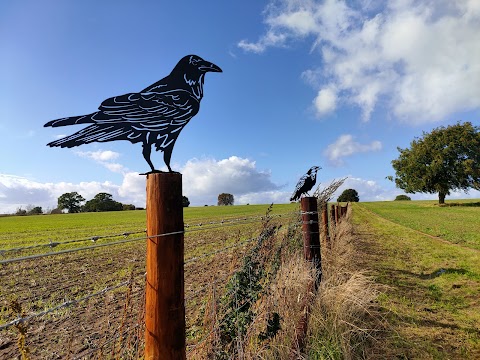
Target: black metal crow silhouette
x: 305, y: 184
x: 154, y: 116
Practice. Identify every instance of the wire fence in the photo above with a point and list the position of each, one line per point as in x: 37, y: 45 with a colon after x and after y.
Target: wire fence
x: 84, y: 298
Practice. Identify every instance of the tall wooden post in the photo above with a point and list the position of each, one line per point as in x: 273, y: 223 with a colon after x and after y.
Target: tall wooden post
x: 325, y: 225
x: 337, y: 213
x: 164, y: 307
x: 332, y: 214
x: 311, y: 235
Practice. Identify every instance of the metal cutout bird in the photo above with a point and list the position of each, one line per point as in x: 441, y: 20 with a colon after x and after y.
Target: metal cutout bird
x: 306, y: 183
x: 154, y: 116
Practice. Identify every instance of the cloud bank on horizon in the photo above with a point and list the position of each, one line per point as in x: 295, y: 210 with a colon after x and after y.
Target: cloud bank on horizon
x: 418, y: 58
x: 203, y: 180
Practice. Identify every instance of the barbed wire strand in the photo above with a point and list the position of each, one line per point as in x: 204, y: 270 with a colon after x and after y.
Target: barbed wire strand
x: 60, y: 243
x: 72, y: 302
x: 225, y: 222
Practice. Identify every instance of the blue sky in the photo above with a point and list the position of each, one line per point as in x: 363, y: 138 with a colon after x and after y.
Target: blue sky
x: 338, y: 84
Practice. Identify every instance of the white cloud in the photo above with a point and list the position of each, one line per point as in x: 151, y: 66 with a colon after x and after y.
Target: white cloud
x: 326, y: 101
x: 100, y: 155
x: 368, y: 190
x: 421, y: 57
x: 16, y: 191
x: 346, y: 146
x: 133, y: 189
x: 104, y: 157
x: 203, y: 181
x: 269, y: 39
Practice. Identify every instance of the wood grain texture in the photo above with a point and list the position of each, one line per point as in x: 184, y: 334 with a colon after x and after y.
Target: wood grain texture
x: 165, y: 307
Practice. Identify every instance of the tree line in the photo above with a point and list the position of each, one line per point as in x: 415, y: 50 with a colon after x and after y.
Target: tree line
x: 72, y: 202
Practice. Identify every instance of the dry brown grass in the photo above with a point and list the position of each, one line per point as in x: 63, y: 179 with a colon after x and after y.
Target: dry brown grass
x: 287, y: 295
x: 344, y: 319
x: 342, y: 313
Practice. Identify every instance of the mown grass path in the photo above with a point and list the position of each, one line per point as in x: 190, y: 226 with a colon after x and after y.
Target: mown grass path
x: 431, y: 299
x: 421, y: 232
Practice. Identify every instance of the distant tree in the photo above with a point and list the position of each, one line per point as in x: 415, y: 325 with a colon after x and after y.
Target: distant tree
x: 185, y: 201
x: 36, y: 210
x: 128, y: 207
x: 402, y: 197
x: 225, y: 199
x: 446, y: 159
x: 70, y: 201
x: 349, y: 195
x: 102, y: 202
x: 21, y: 212
x: 56, y: 211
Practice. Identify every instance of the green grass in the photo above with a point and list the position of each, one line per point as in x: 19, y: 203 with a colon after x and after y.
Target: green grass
x: 457, y: 224
x: 432, y: 295
x: 18, y: 231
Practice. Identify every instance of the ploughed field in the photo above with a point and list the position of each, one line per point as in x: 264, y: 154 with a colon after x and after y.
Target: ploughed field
x: 87, y: 298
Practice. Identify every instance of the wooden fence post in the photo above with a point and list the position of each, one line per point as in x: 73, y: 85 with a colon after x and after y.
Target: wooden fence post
x: 325, y: 225
x: 332, y: 214
x: 164, y: 299
x: 311, y: 234
x: 337, y: 214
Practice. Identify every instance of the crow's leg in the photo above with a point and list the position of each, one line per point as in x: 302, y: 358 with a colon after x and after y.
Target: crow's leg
x: 147, y: 150
x: 167, y: 155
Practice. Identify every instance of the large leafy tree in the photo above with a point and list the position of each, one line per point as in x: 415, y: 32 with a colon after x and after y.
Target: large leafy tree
x: 446, y: 159
x: 349, y: 195
x: 225, y: 199
x: 70, y: 201
x: 102, y: 202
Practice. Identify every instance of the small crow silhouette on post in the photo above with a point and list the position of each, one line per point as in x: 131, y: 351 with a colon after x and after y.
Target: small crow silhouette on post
x: 306, y: 183
x: 154, y: 116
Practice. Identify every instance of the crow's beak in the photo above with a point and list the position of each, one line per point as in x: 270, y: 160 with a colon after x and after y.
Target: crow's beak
x: 206, y: 66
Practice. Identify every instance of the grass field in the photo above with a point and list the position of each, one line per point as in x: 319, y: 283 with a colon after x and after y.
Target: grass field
x: 425, y: 257
x: 40, y: 284
x: 26, y: 230
x: 431, y: 298
x: 457, y: 224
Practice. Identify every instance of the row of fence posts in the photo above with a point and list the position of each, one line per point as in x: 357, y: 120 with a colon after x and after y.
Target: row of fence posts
x: 311, y: 227
x: 312, y: 252
x: 164, y: 298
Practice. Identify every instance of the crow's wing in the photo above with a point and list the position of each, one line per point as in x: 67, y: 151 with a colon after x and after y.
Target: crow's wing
x: 149, y: 111
x: 299, y: 186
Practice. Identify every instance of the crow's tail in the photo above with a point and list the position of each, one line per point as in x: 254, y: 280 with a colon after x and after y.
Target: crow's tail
x: 98, y: 133
x: 82, y: 119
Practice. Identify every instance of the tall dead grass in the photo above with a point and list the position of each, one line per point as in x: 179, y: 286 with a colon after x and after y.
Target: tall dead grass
x: 287, y: 296
x: 340, y: 313
x: 344, y: 320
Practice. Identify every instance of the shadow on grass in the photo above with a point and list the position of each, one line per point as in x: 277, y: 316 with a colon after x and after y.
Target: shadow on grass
x: 437, y: 273
x: 466, y: 204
